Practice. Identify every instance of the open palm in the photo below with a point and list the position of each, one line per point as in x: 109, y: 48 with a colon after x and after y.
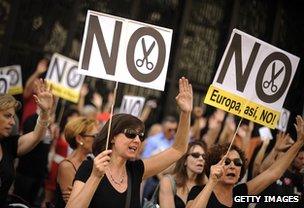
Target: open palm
x: 44, y: 97
x: 184, y: 98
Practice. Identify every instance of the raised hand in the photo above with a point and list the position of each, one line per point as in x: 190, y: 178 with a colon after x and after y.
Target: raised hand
x: 44, y: 97
x: 184, y: 98
x: 217, y: 170
x: 300, y: 128
x: 84, y: 90
x: 101, y: 162
x: 42, y: 66
x: 97, y: 100
x: 283, y: 142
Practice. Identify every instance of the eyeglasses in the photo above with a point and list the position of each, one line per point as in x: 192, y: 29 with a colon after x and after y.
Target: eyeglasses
x: 172, y: 129
x: 94, y: 136
x: 131, y: 134
x: 237, y: 162
x: 197, y: 155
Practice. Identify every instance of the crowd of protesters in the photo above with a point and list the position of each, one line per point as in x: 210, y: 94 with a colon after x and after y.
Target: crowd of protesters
x: 183, y: 161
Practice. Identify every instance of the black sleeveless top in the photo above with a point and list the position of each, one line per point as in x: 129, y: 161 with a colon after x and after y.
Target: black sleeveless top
x: 59, y: 202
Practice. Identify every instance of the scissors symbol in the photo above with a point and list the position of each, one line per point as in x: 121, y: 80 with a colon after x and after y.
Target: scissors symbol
x: 140, y: 62
x: 274, y: 75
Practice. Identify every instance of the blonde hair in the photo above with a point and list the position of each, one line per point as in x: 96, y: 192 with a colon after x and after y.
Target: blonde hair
x: 78, y: 126
x: 8, y: 101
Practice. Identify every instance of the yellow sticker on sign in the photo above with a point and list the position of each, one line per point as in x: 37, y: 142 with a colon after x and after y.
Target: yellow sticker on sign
x: 15, y: 90
x: 63, y: 92
x: 242, y: 107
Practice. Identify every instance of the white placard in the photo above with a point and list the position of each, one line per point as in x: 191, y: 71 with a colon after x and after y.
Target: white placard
x: 4, y: 83
x: 256, y: 70
x: 265, y: 133
x: 284, y: 118
x: 132, y: 105
x: 63, y: 75
x: 252, y: 79
x: 123, y: 50
x: 15, y: 74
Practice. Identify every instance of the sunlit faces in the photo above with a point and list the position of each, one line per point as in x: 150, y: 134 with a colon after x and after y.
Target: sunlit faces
x: 232, y: 168
x: 128, y: 142
x: 196, y: 159
x: 7, y: 122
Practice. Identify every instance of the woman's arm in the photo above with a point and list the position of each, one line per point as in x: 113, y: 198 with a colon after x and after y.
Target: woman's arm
x: 30, y: 83
x: 283, y: 142
x: 214, y: 128
x: 276, y: 170
x: 45, y: 101
x: 83, y: 193
x: 259, y: 158
x: 166, y: 197
x: 161, y: 161
x: 65, y: 177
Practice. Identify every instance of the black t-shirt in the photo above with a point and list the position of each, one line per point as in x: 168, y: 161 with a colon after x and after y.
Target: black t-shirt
x: 9, y: 147
x: 239, y: 190
x: 179, y: 203
x: 105, y: 195
x: 34, y: 164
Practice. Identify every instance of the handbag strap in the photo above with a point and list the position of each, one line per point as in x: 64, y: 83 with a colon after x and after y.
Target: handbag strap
x: 129, y: 191
x: 154, y: 197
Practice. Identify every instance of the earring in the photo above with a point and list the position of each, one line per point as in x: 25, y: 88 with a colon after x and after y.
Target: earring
x: 81, y: 143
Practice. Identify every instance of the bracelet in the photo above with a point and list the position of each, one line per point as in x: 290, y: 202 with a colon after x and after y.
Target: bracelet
x: 43, y: 123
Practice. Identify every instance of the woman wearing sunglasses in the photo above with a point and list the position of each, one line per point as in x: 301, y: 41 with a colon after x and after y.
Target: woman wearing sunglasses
x: 188, y: 172
x: 80, y: 134
x: 225, y: 172
x: 104, y: 181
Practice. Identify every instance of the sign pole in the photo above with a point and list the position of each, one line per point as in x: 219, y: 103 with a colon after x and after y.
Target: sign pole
x: 234, y: 136
x: 61, y: 110
x: 111, y: 115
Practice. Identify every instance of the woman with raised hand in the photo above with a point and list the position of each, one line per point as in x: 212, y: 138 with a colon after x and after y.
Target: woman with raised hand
x: 226, y: 171
x: 114, y: 174
x: 80, y: 134
x: 188, y: 172
x: 13, y: 146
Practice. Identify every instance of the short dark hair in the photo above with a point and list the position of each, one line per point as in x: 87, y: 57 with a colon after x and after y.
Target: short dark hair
x: 119, y: 123
x: 215, y: 154
x: 170, y: 119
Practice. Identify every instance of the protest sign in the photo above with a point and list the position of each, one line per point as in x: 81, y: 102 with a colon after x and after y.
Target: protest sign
x: 123, y: 50
x: 4, y: 83
x: 14, y: 72
x: 132, y: 105
x: 283, y: 121
x: 252, y: 79
x: 63, y: 75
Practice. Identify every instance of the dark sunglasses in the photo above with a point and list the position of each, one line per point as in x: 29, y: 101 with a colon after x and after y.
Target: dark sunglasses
x: 131, y: 134
x: 237, y: 162
x: 197, y: 155
x: 94, y: 136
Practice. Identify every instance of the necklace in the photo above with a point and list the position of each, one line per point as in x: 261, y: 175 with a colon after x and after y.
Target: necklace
x: 119, y: 183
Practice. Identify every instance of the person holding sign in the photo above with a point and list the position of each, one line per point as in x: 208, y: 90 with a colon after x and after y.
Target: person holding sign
x: 228, y: 169
x: 113, y: 178
x: 13, y: 146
